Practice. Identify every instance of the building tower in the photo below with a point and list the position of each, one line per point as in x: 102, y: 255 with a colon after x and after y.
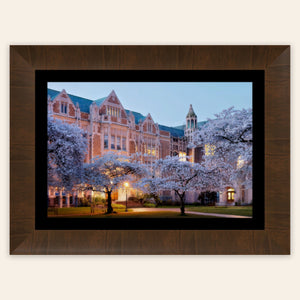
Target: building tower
x: 191, y: 124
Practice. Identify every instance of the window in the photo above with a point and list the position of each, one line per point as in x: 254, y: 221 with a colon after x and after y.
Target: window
x: 149, y: 127
x: 105, y: 141
x: 63, y: 108
x: 118, y: 143
x: 124, y: 144
x: 150, y: 150
x: 209, y: 149
x: 112, y: 111
x: 112, y: 142
x: 182, y: 156
x: 230, y: 194
x: 240, y: 162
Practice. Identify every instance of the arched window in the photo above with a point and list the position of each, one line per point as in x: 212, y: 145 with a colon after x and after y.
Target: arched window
x: 192, y: 123
x: 189, y: 124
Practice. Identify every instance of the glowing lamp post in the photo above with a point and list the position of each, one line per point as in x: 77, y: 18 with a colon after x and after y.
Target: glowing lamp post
x: 126, y: 184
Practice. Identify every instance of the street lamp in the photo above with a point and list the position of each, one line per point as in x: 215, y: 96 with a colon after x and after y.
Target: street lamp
x: 126, y: 184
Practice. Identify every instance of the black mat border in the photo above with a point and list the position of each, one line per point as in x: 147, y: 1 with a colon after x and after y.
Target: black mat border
x: 42, y: 222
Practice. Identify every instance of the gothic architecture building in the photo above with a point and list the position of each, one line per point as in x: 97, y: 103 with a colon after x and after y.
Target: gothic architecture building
x: 111, y: 127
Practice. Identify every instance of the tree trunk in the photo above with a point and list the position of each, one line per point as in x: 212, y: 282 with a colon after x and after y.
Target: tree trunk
x: 181, y: 196
x: 182, y: 205
x: 109, y: 207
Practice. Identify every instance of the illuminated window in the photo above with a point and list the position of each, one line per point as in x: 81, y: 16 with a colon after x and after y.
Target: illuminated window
x: 240, y: 162
x: 148, y: 149
x: 230, y: 194
x: 209, y: 149
x: 182, y: 156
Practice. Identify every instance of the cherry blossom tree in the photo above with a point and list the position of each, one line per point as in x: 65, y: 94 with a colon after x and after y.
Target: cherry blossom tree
x: 151, y: 184
x: 179, y: 176
x: 67, y: 145
x: 106, y: 173
x: 228, y: 142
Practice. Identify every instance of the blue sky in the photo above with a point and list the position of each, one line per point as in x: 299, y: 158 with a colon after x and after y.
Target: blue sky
x: 167, y: 102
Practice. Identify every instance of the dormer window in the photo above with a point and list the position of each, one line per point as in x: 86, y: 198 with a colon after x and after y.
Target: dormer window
x: 149, y: 127
x: 63, y: 108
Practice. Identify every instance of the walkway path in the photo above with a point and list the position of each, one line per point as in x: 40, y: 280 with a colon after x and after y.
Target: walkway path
x: 144, y: 209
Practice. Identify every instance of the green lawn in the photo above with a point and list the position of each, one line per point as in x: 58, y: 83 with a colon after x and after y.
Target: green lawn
x: 130, y: 214
x: 84, y: 212
x: 229, y: 210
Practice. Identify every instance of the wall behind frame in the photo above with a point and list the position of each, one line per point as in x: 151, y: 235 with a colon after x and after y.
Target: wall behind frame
x: 134, y: 22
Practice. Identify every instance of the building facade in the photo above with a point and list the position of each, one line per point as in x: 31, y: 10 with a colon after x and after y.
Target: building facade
x: 110, y: 127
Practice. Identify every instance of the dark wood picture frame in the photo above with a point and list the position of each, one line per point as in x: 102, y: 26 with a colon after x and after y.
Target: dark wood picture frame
x: 274, y: 239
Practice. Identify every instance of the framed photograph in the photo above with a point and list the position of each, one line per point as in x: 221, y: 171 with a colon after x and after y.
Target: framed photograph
x: 150, y: 150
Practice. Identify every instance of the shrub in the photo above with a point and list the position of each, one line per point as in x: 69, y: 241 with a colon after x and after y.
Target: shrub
x: 134, y: 199
x: 238, y: 203
x: 168, y: 202
x: 165, y: 199
x: 99, y: 200
x: 84, y: 202
x: 151, y: 198
x: 147, y: 204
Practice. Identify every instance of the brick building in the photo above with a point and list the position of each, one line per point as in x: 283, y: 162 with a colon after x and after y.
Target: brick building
x: 111, y: 127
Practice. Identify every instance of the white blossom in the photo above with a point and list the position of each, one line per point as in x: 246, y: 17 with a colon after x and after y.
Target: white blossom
x: 67, y: 145
x: 109, y: 172
x: 229, y: 139
x: 172, y: 174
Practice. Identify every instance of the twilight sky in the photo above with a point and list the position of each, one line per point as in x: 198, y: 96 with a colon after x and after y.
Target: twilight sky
x: 167, y: 102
